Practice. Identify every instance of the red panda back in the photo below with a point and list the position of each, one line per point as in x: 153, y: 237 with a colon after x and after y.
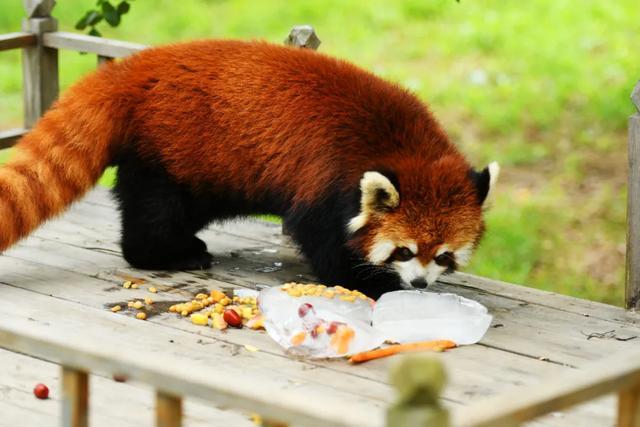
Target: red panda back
x: 255, y: 116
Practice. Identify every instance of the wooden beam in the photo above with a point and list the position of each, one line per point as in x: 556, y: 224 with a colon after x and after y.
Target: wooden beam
x: 17, y: 40
x: 618, y: 372
x: 168, y: 410
x: 632, y: 277
x: 75, y: 398
x: 90, y: 44
x: 8, y: 138
x: 629, y: 407
x: 39, y: 63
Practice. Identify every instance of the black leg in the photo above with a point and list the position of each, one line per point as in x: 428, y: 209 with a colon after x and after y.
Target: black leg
x: 159, y: 220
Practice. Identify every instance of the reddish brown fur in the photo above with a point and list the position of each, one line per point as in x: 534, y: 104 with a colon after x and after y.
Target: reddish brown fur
x: 247, y: 117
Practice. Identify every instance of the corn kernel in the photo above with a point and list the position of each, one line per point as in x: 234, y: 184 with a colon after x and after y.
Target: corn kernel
x: 217, y: 295
x: 134, y: 286
x: 184, y: 313
x: 246, y: 312
x: 218, y: 321
x: 130, y: 304
x: 137, y: 305
x: 219, y: 308
x: 148, y: 301
x: 172, y: 309
x: 141, y: 316
x: 127, y: 284
x: 225, y: 301
x: 348, y: 298
x: 199, y: 319
x: 153, y: 290
x: 201, y: 296
x: 116, y: 308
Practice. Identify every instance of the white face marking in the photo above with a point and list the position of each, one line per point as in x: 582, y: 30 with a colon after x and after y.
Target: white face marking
x: 463, y: 255
x: 381, y: 251
x: 494, y: 172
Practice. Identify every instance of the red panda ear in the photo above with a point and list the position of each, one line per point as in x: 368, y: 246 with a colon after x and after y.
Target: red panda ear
x: 485, y: 180
x: 377, y: 195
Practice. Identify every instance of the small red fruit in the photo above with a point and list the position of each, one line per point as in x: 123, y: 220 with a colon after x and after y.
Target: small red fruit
x: 41, y: 391
x: 333, y: 327
x: 232, y: 318
x: 304, y: 309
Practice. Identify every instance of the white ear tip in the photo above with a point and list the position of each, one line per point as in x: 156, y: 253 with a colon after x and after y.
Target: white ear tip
x: 494, y: 172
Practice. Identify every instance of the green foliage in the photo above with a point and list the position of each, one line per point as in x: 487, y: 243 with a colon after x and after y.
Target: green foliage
x: 105, y: 10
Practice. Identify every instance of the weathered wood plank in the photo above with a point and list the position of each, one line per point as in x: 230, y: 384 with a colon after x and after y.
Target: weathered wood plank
x: 476, y: 371
x: 629, y: 407
x: 605, y: 376
x: 281, y: 389
x: 39, y: 64
x: 75, y: 398
x: 17, y: 40
x: 168, y: 410
x: 127, y: 404
x: 632, y: 282
x: 90, y: 44
x: 8, y: 138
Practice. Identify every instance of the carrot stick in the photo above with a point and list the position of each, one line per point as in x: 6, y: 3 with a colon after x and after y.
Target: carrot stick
x: 401, y: 348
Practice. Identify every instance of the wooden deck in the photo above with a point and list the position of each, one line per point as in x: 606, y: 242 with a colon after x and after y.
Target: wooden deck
x: 63, y: 279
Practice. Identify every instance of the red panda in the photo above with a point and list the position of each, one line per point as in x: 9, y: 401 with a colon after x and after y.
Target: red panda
x: 365, y: 179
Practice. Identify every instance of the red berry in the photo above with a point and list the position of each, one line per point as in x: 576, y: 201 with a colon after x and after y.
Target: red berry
x: 333, y: 327
x: 232, y: 318
x: 304, y: 309
x: 41, y: 391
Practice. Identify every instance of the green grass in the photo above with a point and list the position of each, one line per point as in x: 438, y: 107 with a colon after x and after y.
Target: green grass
x: 541, y: 86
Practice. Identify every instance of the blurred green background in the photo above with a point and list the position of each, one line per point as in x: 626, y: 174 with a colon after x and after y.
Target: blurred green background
x: 541, y: 86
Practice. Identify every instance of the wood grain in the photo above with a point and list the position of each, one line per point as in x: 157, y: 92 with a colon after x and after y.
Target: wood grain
x: 629, y: 407
x: 75, y: 398
x: 17, y: 40
x: 90, y: 44
x: 168, y: 410
x: 632, y: 282
x: 8, y: 138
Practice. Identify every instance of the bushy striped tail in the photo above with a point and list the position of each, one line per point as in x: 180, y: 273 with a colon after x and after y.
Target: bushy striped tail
x: 61, y: 158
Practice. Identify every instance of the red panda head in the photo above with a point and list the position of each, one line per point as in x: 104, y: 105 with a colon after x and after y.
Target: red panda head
x: 421, y: 220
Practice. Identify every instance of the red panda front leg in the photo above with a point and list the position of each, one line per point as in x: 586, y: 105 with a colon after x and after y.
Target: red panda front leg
x: 158, y: 221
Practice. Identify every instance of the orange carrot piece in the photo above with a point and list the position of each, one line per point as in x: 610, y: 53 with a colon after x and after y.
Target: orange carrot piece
x: 298, y: 338
x: 401, y: 348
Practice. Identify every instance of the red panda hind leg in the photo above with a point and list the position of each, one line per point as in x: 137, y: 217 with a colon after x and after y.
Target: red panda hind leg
x: 159, y: 220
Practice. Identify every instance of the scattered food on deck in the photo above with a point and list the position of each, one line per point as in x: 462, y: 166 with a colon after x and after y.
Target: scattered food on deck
x: 41, y: 391
x: 116, y: 308
x: 153, y: 290
x: 141, y: 316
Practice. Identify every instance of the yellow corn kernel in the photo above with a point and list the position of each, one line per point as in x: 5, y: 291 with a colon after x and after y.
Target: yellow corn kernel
x: 184, y: 313
x: 201, y: 296
x: 225, y: 301
x: 328, y: 294
x: 127, y: 284
x: 116, y: 308
x: 210, y: 300
x: 130, y: 304
x: 219, y: 308
x: 246, y: 312
x: 348, y: 298
x: 148, y: 301
x: 137, y: 305
x: 172, y: 309
x: 199, y: 319
x: 153, y: 290
x: 134, y: 286
x: 218, y: 321
x: 295, y: 293
x: 217, y: 295
x: 141, y: 316
x: 251, y: 348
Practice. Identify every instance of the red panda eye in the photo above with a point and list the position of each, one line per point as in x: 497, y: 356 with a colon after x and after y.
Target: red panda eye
x: 445, y: 259
x: 402, y: 254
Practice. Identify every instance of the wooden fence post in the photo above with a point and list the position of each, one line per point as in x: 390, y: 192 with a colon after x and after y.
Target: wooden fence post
x: 303, y: 36
x: 418, y: 381
x: 632, y: 279
x: 75, y: 398
x: 39, y: 63
x: 168, y: 410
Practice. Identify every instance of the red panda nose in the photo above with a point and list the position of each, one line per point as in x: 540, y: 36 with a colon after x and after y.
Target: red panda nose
x: 419, y: 283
